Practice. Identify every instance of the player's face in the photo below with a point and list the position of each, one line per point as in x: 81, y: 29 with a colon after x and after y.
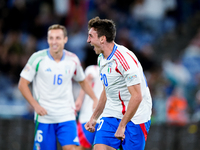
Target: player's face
x: 56, y: 40
x: 94, y: 40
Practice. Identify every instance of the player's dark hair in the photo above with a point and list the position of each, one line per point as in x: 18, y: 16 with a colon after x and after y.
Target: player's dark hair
x: 57, y: 26
x: 104, y: 27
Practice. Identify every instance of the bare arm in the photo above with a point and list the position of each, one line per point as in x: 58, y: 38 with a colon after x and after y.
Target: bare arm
x: 80, y: 98
x: 24, y: 89
x: 88, y: 90
x: 90, y: 126
x: 135, y: 100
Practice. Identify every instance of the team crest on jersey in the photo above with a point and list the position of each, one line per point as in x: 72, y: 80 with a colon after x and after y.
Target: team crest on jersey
x: 37, y: 146
x: 67, y: 69
x: 109, y: 68
x: 27, y: 69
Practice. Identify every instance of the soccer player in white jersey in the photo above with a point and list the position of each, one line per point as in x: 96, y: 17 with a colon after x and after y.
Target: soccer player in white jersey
x: 125, y: 100
x: 51, y: 71
x: 85, y: 104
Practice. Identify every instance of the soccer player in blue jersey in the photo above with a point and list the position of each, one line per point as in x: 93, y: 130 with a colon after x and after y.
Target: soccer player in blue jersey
x: 51, y: 70
x: 125, y: 100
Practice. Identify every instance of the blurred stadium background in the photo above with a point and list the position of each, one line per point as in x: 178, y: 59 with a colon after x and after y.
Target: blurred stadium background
x: 164, y: 34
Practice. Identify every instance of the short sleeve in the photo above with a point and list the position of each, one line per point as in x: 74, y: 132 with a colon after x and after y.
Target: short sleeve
x: 79, y: 73
x: 132, y: 75
x: 29, y: 70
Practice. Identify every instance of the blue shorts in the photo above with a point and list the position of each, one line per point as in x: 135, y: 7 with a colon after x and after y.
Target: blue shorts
x: 47, y: 135
x: 135, y: 135
x: 86, y: 138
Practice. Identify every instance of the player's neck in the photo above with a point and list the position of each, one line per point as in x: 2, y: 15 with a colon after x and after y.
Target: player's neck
x: 57, y: 55
x: 107, y: 50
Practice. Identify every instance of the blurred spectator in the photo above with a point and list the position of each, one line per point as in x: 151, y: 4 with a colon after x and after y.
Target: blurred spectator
x: 159, y: 106
x: 137, y: 11
x: 77, y: 7
x: 29, y: 45
x: 177, y: 115
x: 154, y: 13
x: 44, y: 19
x: 191, y: 60
x: 196, y: 114
x: 61, y: 9
x: 145, y: 55
x: 10, y: 57
x: 16, y: 16
x: 157, y: 84
x: 191, y: 57
x: 176, y: 72
x: 177, y: 108
x: 77, y: 42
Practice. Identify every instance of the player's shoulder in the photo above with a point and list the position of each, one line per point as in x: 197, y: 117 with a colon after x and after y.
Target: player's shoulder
x: 70, y: 55
x: 41, y: 53
x: 92, y: 67
x: 125, y: 52
x: 125, y: 57
x: 37, y: 56
x: 122, y: 49
x: 93, y: 70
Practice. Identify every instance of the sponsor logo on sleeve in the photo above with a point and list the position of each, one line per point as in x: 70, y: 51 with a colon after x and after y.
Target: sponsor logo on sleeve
x: 132, y: 77
x: 26, y: 69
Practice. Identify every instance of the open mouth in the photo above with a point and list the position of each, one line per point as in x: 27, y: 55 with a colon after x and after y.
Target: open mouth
x: 92, y: 46
x: 54, y: 46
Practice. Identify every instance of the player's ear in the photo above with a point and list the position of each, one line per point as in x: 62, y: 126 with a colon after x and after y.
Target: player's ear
x: 102, y: 39
x: 66, y: 39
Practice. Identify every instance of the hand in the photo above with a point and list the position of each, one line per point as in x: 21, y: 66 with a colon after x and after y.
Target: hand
x: 78, y: 105
x: 90, y: 126
x: 40, y: 110
x: 119, y: 134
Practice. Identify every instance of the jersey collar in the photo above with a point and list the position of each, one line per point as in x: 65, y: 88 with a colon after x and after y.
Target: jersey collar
x: 49, y: 55
x: 112, y: 53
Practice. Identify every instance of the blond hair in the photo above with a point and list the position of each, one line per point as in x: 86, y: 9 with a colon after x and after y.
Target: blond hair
x: 57, y: 26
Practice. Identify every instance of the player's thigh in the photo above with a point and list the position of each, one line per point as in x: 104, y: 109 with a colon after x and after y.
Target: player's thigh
x: 67, y: 133
x: 103, y: 147
x: 69, y: 147
x: 45, y: 137
x: 135, y: 136
x: 81, y: 148
x: 106, y: 131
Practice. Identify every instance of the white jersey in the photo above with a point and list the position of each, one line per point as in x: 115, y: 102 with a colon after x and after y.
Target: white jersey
x: 97, y: 86
x: 120, y: 70
x: 52, y: 84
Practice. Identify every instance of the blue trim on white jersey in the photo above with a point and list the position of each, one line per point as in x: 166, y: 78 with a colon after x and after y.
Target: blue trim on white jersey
x: 63, y: 56
x: 48, y: 53
x: 113, y: 52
